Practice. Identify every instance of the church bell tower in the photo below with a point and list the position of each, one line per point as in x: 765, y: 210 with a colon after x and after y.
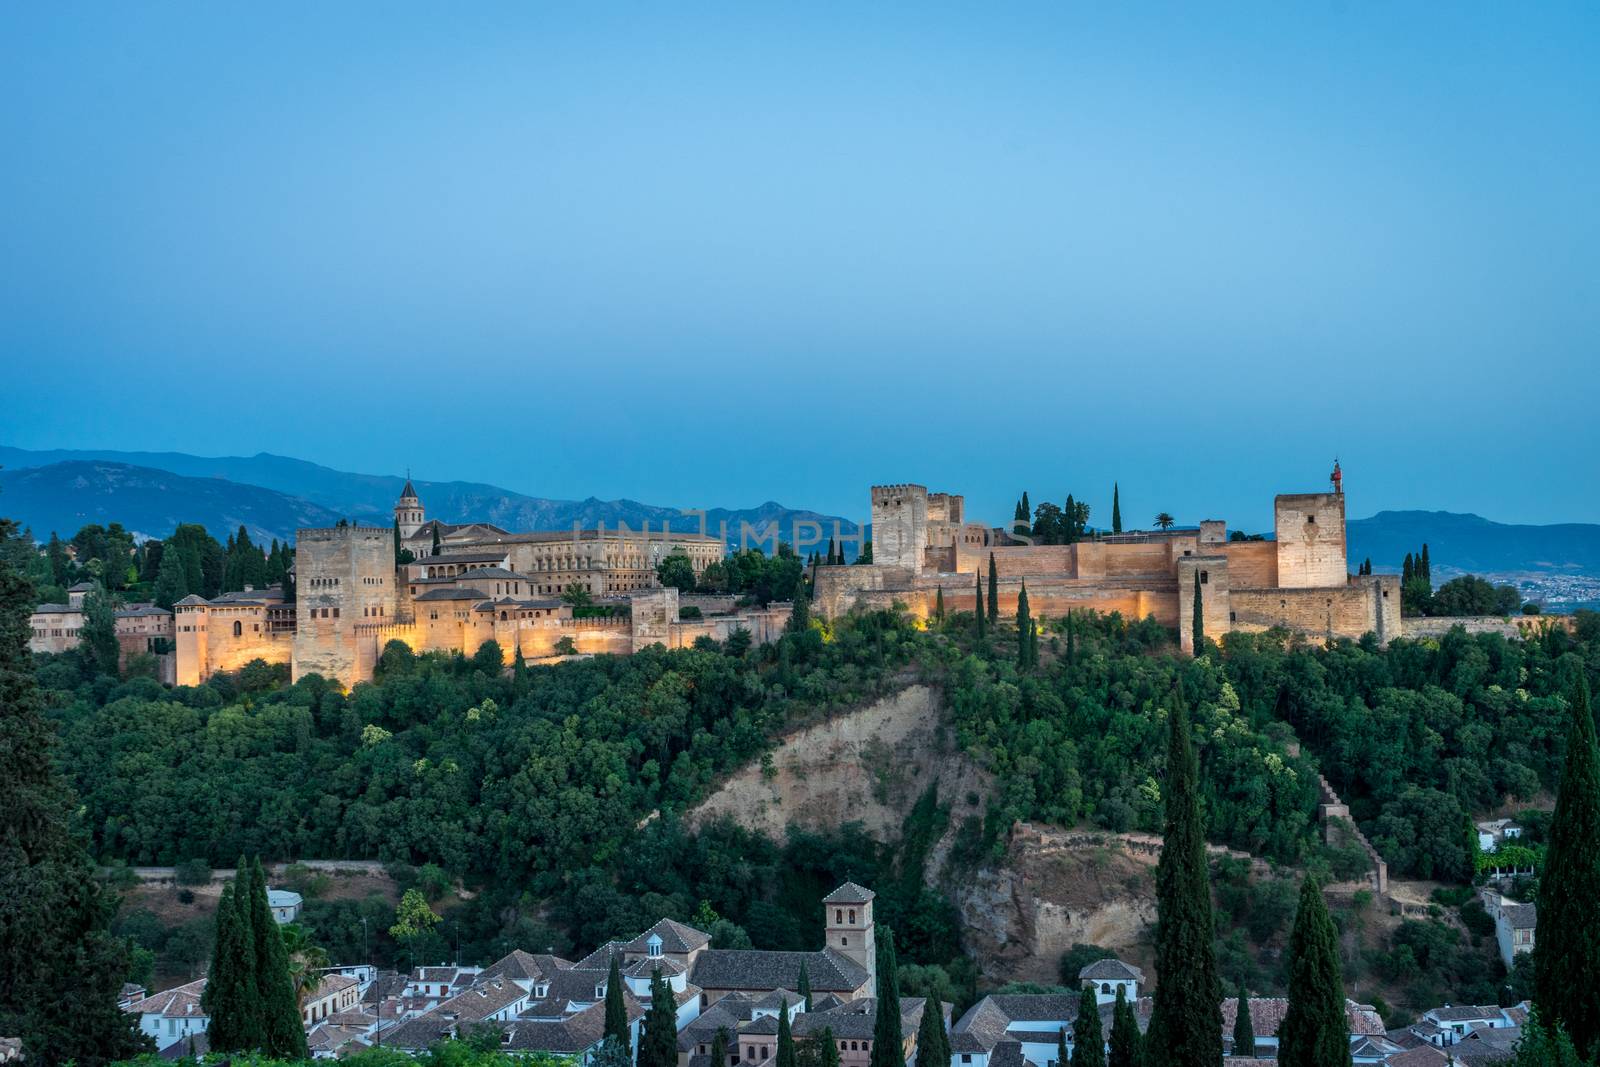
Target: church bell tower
x: 408, y: 511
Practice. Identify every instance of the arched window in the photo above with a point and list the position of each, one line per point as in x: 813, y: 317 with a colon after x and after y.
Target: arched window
x: 238, y: 629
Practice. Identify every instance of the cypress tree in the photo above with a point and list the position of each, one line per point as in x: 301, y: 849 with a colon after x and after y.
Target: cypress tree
x: 804, y: 985
x: 800, y: 616
x: 1186, y: 1025
x: 1116, y: 508
x: 60, y: 969
x: 719, y: 1047
x: 1088, y: 1044
x: 1244, y: 1034
x: 1407, y: 569
x: 785, y: 1057
x: 436, y: 537
x: 994, y: 592
x: 276, y: 999
x: 978, y: 612
x: 938, y: 604
x: 1427, y: 568
x: 887, y: 1040
x: 1024, y: 629
x: 658, y: 1045
x: 231, y: 996
x: 1126, y: 1041
x: 933, y: 1044
x: 1315, y: 1031
x: 1567, y: 961
x: 1198, y: 622
x: 1063, y: 1058
x: 829, y: 1051
x: 617, y: 1009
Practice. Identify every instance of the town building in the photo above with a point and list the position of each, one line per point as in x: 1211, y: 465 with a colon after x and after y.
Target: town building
x: 924, y: 548
x: 1514, y: 925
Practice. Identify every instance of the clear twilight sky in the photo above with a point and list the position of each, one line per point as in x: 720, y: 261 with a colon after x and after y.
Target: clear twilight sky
x: 713, y: 255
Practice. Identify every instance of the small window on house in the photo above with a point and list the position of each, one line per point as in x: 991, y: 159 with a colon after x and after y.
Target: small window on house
x: 843, y: 941
x: 1205, y: 577
x: 1233, y: 616
x: 238, y: 629
x: 852, y: 916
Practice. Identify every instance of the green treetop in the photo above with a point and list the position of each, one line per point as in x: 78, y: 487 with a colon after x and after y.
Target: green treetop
x: 617, y: 1009
x: 887, y: 1039
x: 1244, y: 1035
x: 1127, y: 1044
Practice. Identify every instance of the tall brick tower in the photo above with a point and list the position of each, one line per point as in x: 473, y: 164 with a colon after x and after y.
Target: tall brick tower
x: 847, y: 916
x: 344, y: 578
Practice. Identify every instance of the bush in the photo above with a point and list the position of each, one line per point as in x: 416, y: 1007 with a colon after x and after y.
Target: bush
x: 192, y: 872
x: 1077, y: 958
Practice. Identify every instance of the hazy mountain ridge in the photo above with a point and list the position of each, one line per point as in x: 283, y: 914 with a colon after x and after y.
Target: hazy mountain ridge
x: 320, y: 496
x: 63, y: 497
x: 1473, y: 543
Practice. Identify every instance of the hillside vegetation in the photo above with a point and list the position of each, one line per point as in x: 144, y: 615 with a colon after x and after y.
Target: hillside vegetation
x: 556, y: 795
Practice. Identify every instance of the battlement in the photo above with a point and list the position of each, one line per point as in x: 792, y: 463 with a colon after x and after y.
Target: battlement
x: 339, y: 533
x: 883, y: 492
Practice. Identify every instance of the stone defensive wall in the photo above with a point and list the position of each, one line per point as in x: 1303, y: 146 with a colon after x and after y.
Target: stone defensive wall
x: 1504, y: 625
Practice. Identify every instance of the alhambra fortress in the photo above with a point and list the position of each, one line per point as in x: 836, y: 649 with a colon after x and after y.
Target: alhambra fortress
x: 472, y: 583
x: 924, y: 549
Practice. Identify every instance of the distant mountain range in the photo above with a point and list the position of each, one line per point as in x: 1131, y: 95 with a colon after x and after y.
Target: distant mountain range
x: 151, y: 492
x: 1474, y: 544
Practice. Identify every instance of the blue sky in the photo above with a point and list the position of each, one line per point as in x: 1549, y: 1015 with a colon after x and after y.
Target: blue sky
x: 712, y: 255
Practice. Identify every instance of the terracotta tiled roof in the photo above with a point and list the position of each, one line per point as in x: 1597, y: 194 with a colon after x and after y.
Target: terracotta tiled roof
x: 1111, y: 970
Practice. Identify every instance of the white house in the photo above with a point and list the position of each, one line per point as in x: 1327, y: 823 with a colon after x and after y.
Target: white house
x: 285, y: 905
x: 1494, y: 831
x: 172, y: 1015
x: 1514, y: 925
x: 1106, y: 977
x: 1458, y: 1021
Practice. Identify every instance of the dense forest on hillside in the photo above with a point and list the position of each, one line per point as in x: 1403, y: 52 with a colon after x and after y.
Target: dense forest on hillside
x: 553, y: 791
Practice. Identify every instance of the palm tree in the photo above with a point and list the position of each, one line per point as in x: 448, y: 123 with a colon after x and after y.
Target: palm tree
x: 306, y: 961
x: 1165, y: 521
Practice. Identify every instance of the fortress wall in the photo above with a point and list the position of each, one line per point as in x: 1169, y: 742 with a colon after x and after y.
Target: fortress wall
x: 1311, y: 540
x: 1047, y: 596
x: 1338, y: 611
x: 1251, y: 564
x: 1439, y: 625
x: 1153, y: 558
x: 838, y: 587
x: 1016, y: 561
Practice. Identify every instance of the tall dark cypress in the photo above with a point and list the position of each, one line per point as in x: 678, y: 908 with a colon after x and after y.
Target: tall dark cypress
x: 658, y: 1045
x: 436, y: 537
x: 1427, y: 568
x: 785, y: 1056
x: 1088, y: 1043
x: 1407, y: 569
x: 1567, y: 962
x: 978, y: 613
x: 933, y: 1043
x: 617, y: 1009
x: 1127, y: 1044
x: 719, y: 1047
x: 938, y: 604
x: 280, y: 1008
x: 1186, y: 1024
x: 1315, y: 1031
x: 803, y: 986
x: 1116, y: 508
x: 1198, y: 622
x: 232, y: 998
x: 1024, y: 630
x: 994, y: 592
x: 800, y: 615
x: 1244, y: 1033
x: 60, y: 968
x: 887, y: 1040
